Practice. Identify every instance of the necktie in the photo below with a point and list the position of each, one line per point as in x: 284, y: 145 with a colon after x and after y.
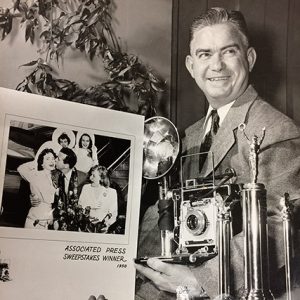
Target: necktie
x: 61, y: 182
x: 208, y: 140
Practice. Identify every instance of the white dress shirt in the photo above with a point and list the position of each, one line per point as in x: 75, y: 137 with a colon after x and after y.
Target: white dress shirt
x: 222, y: 112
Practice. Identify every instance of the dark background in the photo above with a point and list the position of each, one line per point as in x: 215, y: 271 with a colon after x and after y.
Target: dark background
x: 274, y: 27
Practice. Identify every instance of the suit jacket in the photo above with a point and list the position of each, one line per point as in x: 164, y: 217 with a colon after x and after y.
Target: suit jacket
x: 278, y: 170
x: 67, y: 200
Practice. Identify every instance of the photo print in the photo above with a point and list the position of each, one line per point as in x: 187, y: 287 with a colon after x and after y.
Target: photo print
x: 64, y: 175
x: 64, y: 179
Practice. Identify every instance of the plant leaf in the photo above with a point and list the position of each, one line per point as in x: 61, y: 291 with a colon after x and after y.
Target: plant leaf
x: 46, y: 34
x: 16, y: 5
x: 86, y: 13
x: 32, y: 35
x: 32, y: 63
x: 23, y: 7
x: 27, y: 89
x: 28, y: 30
x: 156, y: 87
x: 92, y: 20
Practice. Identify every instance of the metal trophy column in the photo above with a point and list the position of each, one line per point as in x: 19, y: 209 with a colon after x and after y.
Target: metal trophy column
x: 224, y: 234
x: 256, y: 255
x: 286, y: 215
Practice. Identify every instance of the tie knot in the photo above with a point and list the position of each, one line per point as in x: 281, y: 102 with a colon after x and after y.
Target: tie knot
x: 214, y: 121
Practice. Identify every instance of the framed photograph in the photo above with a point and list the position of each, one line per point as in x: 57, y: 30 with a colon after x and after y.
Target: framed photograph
x: 70, y: 182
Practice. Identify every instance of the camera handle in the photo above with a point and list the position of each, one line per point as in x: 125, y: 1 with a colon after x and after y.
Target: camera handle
x: 165, y: 220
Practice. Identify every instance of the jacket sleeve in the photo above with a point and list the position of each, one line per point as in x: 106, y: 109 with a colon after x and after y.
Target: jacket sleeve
x: 27, y: 171
x: 113, y: 209
x: 84, y: 197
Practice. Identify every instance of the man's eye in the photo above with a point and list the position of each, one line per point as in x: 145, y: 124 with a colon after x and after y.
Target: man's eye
x: 230, y: 51
x: 203, y: 55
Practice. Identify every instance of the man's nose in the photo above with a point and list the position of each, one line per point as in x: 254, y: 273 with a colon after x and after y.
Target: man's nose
x: 216, y: 62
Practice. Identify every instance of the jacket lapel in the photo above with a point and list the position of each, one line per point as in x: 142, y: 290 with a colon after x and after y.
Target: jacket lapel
x: 190, y: 164
x: 225, y: 137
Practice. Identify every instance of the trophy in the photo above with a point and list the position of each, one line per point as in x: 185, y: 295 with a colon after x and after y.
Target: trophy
x: 286, y: 216
x: 256, y: 255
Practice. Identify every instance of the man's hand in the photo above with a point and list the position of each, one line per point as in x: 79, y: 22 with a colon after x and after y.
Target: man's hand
x: 34, y: 200
x: 167, y: 277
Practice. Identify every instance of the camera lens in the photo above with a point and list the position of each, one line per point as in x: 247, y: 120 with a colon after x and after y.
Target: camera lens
x: 196, y: 222
x: 192, y: 222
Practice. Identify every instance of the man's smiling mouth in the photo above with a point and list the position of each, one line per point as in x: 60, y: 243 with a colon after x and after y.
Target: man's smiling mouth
x: 222, y: 78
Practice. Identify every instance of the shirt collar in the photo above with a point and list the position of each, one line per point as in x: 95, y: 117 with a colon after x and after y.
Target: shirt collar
x: 222, y: 112
x: 68, y: 175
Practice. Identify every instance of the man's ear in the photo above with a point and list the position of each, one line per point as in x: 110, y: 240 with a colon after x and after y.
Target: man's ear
x: 251, y: 56
x: 189, y: 64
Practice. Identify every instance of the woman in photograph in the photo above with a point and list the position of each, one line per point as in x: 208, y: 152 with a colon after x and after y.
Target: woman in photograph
x: 86, y: 152
x: 102, y: 200
x: 39, y: 174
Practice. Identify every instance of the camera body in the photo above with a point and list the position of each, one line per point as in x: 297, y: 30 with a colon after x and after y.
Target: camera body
x: 196, y: 216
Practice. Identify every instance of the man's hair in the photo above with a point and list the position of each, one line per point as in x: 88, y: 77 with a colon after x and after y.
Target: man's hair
x: 64, y: 136
x: 41, y: 156
x: 70, y: 158
x: 218, y: 15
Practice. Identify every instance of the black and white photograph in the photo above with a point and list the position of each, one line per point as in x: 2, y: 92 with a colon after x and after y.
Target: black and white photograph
x: 207, y: 206
x: 63, y: 179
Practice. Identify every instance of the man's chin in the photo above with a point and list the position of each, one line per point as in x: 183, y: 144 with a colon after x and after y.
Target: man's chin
x: 219, y: 90
x: 219, y: 97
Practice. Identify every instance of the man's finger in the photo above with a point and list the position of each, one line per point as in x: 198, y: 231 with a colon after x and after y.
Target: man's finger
x: 149, y: 273
x: 160, y: 266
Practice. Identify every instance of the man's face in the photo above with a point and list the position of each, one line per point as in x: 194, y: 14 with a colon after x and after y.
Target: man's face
x: 60, y: 165
x: 64, y: 143
x: 220, y: 63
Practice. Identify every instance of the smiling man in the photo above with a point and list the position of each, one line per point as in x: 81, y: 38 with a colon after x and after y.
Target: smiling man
x: 220, y: 60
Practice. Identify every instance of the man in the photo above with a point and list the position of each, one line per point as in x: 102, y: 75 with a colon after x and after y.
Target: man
x: 69, y: 182
x: 64, y: 140
x: 220, y: 60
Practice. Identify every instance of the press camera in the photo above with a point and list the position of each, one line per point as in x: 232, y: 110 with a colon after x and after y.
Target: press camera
x: 188, y: 216
x: 196, y: 209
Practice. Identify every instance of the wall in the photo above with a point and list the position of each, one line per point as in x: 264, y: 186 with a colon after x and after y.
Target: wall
x: 139, y: 24
x: 275, y: 30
